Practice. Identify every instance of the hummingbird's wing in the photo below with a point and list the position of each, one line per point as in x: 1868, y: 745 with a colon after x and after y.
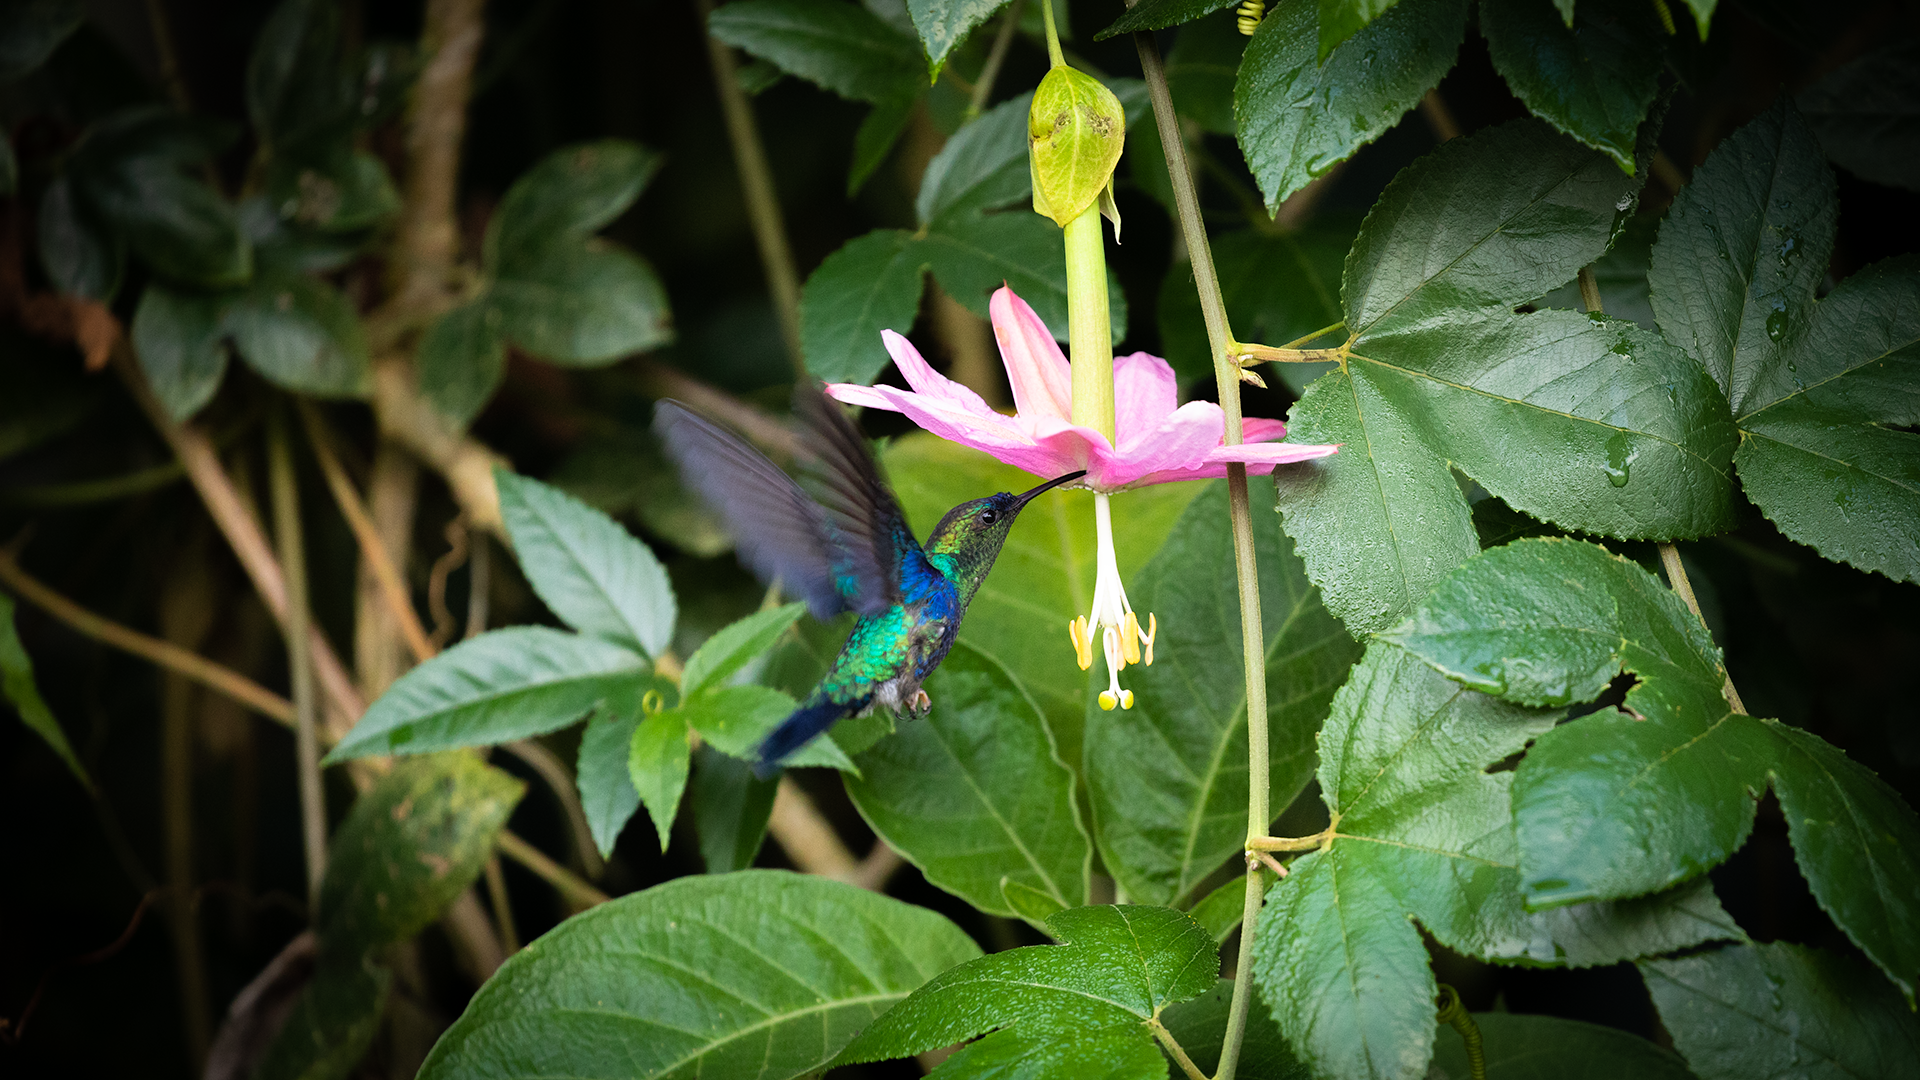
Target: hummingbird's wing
x: 834, y: 556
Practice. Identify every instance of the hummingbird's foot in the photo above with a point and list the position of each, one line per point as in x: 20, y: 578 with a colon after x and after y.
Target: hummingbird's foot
x: 921, y: 704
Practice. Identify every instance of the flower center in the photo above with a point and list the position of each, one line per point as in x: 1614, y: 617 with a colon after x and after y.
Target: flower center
x: 1112, y: 618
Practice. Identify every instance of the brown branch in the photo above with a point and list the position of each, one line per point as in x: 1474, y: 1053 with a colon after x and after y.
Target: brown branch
x: 429, y: 237
x: 804, y: 834
x: 465, y: 463
x: 559, y: 780
x: 306, y: 706
x: 392, y: 498
x: 576, y: 889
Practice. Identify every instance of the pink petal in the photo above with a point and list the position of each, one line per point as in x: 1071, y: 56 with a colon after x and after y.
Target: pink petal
x: 1145, y: 392
x: 924, y: 380
x: 1063, y: 452
x: 1180, y: 440
x: 1036, y: 368
x: 1260, y: 429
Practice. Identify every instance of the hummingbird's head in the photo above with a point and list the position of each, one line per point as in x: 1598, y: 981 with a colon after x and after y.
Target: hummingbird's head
x: 969, y: 538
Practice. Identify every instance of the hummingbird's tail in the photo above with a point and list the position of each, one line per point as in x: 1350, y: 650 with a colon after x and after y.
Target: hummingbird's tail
x: 798, y: 729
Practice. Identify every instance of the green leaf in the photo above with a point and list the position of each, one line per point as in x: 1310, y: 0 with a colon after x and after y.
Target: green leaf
x: 1220, y: 911
x: 1422, y: 831
x: 332, y: 1023
x: 1160, y: 14
x: 461, y: 361
x: 1343, y: 19
x: 1115, y: 968
x: 1618, y: 804
x: 1168, y: 778
x: 1200, y: 1026
x: 833, y: 44
x: 297, y: 83
x: 136, y: 173
x: 31, y: 29
x: 1277, y: 287
x: 974, y: 795
x: 1201, y: 70
x: 408, y: 848
x: 973, y: 256
x: 1818, y: 389
x: 571, y: 194
x: 661, y: 752
x: 603, y: 775
x: 1620, y: 274
x: 736, y: 719
x: 589, y: 571
x: 80, y: 258
x: 301, y: 334
x: 1593, y: 80
x: 503, y: 685
x: 1867, y: 115
x: 582, y: 306
x: 662, y: 982
x: 335, y: 189
x: 734, y: 646
x: 875, y: 139
x: 1045, y: 573
x: 983, y: 167
x: 1299, y: 116
x: 730, y: 810
x: 1782, y: 1010
x: 944, y: 24
x: 1521, y: 1047
x: 17, y: 683
x: 181, y: 345
x: 1589, y: 424
x: 871, y: 284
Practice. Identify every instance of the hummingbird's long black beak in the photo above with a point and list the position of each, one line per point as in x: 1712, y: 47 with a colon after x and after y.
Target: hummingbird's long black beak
x: 1026, y: 497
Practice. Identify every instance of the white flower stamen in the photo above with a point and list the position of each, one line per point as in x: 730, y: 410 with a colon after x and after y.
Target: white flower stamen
x: 1112, y: 618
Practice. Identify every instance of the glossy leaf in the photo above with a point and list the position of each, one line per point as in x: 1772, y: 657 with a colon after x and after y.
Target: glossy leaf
x: 572, y: 193
x: 983, y: 167
x: 503, y: 685
x: 944, y: 24
x: 181, y: 346
x: 730, y: 809
x: 296, y: 79
x: 1200, y: 1026
x: 1276, y: 287
x: 836, y: 45
x: 301, y: 334
x: 80, y: 258
x: 871, y: 284
x: 1867, y: 115
x: 1342, y: 19
x: 607, y: 794
x: 461, y: 361
x: 1045, y: 573
x: 589, y: 571
x: 582, y: 306
x: 734, y: 646
x: 1299, y: 116
x: 1160, y: 14
x: 660, y: 984
x: 1594, y: 80
x: 1082, y: 1000
x: 1618, y: 804
x: 31, y: 29
x: 736, y: 719
x: 974, y: 794
x: 137, y: 173
x: 661, y: 752
x: 1168, y: 778
x: 17, y: 683
x: 1422, y: 831
x: 1522, y: 1047
x: 973, y: 256
x: 408, y: 847
x: 1782, y: 1010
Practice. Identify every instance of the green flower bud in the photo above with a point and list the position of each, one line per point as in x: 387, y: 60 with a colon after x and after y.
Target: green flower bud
x: 1075, y: 133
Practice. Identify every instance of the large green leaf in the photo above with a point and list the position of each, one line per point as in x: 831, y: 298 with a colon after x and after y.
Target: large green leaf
x: 1589, y: 424
x: 17, y: 683
x: 136, y: 172
x: 983, y: 167
x: 1867, y: 114
x: 730, y: 809
x: 1617, y: 804
x: 944, y: 24
x: 181, y: 347
x: 761, y: 973
x: 660, y: 754
x: 1201, y: 71
x: 1277, y: 287
x: 974, y: 794
x: 1343, y: 19
x: 1045, y: 574
x: 408, y: 848
x: 1521, y: 1047
x: 973, y: 256
x: 1422, y: 831
x: 1168, y: 778
x: 1200, y: 1026
x: 1299, y: 116
x: 461, y: 360
x: 590, y: 571
x: 301, y: 334
x: 1593, y: 80
x: 834, y: 44
x: 607, y: 794
x: 736, y: 719
x: 1080, y: 1006
x: 871, y: 284
x: 503, y: 685
x: 1782, y: 1010
x: 585, y: 306
x: 297, y: 81
x: 1821, y: 391
x: 572, y: 193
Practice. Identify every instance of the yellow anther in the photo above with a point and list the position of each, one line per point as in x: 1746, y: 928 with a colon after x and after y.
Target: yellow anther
x: 1130, y: 639
x: 1153, y: 627
x: 1108, y: 701
x: 1126, y: 699
x: 1082, y: 642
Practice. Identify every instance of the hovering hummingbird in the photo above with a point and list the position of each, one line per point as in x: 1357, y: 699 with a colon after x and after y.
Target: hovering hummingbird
x: 851, y: 552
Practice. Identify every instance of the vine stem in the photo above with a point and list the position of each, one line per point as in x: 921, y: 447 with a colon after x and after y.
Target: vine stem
x: 1226, y: 373
x: 568, y: 884
x: 293, y: 560
x: 756, y: 183
x: 996, y: 56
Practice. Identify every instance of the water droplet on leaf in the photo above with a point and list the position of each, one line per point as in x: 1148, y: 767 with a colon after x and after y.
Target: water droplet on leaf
x: 1620, y: 458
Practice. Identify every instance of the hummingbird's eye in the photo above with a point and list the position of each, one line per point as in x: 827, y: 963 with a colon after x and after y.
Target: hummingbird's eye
x: 989, y: 516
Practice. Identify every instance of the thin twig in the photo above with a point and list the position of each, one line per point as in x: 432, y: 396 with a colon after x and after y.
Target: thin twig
x: 756, y: 183
x: 186, y: 614
x: 457, y: 535
x: 576, y: 889
x: 502, y: 907
x: 1439, y: 118
x: 804, y: 834
x: 1174, y: 1049
x: 479, y: 584
x: 293, y: 557
x: 559, y: 780
x: 881, y: 863
x: 372, y: 549
x: 996, y: 56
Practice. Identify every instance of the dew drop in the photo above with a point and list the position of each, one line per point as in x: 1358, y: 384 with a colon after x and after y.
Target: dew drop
x: 1776, y: 325
x: 1620, y: 457
x: 1625, y: 202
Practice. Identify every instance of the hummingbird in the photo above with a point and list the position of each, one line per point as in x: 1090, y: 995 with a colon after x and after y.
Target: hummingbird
x: 850, y: 551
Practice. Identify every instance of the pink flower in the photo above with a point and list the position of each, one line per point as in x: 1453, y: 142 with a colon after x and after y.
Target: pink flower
x: 1160, y: 440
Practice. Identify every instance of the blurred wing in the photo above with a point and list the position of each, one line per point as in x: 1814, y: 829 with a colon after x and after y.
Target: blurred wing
x: 777, y: 530
x: 867, y: 525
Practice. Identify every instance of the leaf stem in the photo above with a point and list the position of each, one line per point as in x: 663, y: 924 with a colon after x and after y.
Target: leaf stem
x: 1226, y: 372
x: 576, y: 889
x: 1283, y: 355
x: 996, y: 57
x: 1291, y: 843
x: 1174, y: 1049
x: 1054, y: 56
x: 293, y: 558
x: 756, y: 183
